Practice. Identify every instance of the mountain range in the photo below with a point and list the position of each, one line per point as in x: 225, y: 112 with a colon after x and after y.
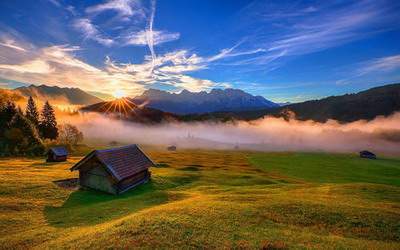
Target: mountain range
x: 187, y: 102
x: 155, y: 106
x: 366, y: 105
x: 57, y: 95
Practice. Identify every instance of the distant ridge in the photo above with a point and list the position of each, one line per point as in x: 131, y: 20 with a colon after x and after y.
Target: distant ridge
x: 57, y: 95
x: 187, y: 102
x: 367, y: 104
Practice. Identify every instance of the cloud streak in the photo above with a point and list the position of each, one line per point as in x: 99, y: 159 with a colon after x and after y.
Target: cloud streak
x: 90, y: 31
x: 305, y: 29
x: 125, y: 9
x: 141, y: 38
x: 383, y: 64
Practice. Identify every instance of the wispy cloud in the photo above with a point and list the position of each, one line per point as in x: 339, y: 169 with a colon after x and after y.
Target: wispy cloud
x: 11, y: 44
x: 55, y: 2
x: 305, y: 29
x: 383, y: 64
x: 141, y: 37
x: 90, y: 31
x: 379, y: 68
x: 125, y: 9
x: 34, y: 66
x: 59, y: 65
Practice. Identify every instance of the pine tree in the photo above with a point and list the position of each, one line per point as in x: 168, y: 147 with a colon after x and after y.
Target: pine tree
x: 7, y: 112
x: 32, y: 113
x: 48, y: 124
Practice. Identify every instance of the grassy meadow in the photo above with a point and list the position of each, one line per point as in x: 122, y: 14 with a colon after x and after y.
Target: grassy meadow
x: 208, y: 199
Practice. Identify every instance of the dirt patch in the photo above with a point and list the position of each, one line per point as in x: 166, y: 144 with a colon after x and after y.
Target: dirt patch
x: 71, y: 183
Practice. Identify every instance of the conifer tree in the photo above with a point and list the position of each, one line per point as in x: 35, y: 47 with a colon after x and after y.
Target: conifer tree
x: 32, y: 113
x: 48, y: 124
x: 6, y: 114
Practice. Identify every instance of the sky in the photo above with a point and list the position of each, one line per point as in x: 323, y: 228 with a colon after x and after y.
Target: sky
x: 286, y: 51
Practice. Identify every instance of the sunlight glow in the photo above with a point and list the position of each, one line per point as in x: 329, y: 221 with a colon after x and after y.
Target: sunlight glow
x: 119, y: 93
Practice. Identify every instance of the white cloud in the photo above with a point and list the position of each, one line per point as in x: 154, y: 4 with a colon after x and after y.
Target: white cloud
x: 11, y: 44
x: 141, y: 37
x: 383, y: 64
x: 329, y: 29
x: 305, y: 29
x: 381, y: 69
x: 124, y: 8
x: 90, y: 31
x: 35, y: 66
x: 58, y: 65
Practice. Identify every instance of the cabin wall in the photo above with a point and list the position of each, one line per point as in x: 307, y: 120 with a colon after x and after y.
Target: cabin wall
x: 131, y: 181
x: 94, y: 175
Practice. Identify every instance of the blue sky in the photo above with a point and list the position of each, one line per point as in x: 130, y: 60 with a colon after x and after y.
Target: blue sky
x: 282, y: 50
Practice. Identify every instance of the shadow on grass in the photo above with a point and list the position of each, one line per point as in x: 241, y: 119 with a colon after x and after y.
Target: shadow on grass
x: 90, y: 207
x: 47, y: 164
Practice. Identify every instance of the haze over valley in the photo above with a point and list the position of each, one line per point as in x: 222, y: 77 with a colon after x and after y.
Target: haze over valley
x: 245, y: 124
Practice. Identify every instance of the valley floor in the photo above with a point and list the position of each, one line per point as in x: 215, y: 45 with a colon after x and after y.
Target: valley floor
x: 209, y: 199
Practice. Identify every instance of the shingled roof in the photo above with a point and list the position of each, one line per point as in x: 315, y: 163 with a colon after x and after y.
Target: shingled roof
x: 59, y: 151
x: 122, y: 162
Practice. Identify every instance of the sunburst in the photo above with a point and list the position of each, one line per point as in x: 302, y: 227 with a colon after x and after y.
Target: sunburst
x: 122, y: 106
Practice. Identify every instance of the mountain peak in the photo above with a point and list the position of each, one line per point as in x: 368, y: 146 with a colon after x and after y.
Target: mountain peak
x: 55, y: 94
x: 187, y: 102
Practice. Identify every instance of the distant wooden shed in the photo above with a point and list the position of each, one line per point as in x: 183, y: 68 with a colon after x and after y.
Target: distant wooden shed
x: 171, y: 148
x: 114, y: 170
x: 57, y: 154
x: 367, y: 154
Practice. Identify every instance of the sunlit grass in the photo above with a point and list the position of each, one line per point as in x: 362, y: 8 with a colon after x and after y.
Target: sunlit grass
x: 208, y: 199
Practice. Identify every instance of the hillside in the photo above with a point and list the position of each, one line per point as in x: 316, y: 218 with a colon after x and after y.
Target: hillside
x: 57, y: 95
x: 208, y: 200
x: 366, y: 105
x: 10, y: 95
x: 125, y: 109
x: 187, y: 102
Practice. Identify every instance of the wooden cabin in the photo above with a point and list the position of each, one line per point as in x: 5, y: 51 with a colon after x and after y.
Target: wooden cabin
x: 57, y: 154
x: 367, y: 154
x: 114, y: 170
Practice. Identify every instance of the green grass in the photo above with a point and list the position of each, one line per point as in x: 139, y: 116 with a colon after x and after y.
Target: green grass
x: 334, y: 168
x: 208, y: 199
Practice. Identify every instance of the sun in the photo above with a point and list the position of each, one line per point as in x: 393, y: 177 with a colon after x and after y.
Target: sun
x: 119, y: 93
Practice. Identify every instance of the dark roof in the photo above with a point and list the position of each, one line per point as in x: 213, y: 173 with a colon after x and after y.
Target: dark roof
x: 122, y: 162
x: 59, y: 151
x: 365, y: 152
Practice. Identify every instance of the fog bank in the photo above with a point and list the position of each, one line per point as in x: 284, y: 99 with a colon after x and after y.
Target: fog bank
x: 267, y: 134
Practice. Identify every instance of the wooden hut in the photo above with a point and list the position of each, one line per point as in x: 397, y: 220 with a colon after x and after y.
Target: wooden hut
x: 57, y: 154
x: 114, y: 170
x: 367, y: 154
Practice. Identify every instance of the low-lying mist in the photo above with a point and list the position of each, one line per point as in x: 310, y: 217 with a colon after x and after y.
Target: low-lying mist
x: 267, y: 134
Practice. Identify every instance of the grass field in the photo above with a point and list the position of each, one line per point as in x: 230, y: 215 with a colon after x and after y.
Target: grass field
x: 209, y: 199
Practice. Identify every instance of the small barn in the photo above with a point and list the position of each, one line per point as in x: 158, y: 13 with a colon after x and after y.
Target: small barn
x: 57, y: 154
x: 114, y: 170
x: 367, y: 154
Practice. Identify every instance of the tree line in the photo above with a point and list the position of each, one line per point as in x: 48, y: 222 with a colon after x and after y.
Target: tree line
x: 26, y: 133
